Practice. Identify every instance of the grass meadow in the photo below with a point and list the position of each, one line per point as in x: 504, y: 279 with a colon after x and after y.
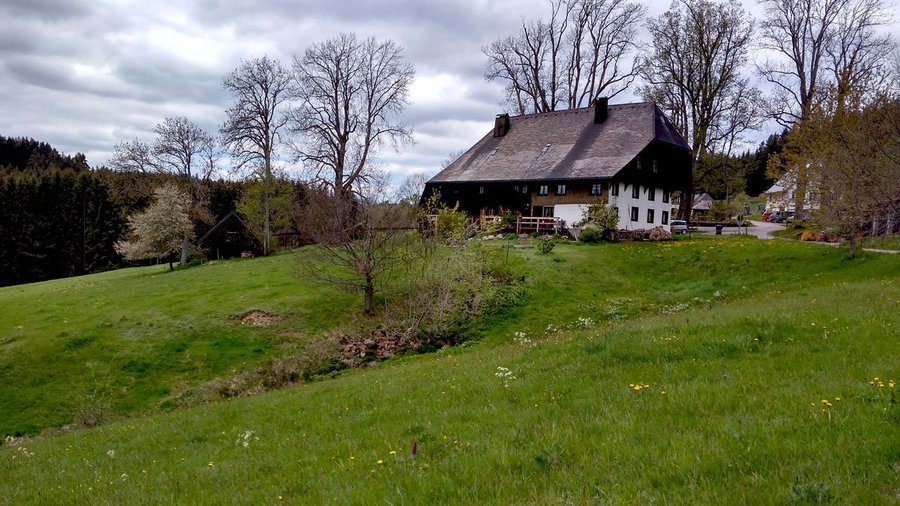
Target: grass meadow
x: 705, y: 370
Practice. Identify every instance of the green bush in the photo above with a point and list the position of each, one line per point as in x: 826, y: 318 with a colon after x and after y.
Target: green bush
x: 510, y: 237
x: 603, y: 219
x: 589, y: 235
x: 545, y: 246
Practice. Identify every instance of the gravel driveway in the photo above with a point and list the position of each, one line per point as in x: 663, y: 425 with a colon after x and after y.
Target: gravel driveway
x: 761, y: 229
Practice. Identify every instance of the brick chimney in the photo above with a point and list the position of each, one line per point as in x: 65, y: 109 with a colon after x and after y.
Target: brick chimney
x: 601, y: 110
x: 501, y: 125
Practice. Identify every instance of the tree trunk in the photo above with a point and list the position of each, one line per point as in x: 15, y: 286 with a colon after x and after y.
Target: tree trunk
x: 185, y: 247
x: 852, y: 245
x: 369, y: 296
x: 267, y: 232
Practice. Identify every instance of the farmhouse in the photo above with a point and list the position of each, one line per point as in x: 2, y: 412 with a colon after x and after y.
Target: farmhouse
x: 551, y: 166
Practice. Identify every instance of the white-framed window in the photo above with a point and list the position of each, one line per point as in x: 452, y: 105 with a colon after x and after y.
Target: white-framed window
x: 636, y: 192
x: 481, y: 190
x: 650, y: 215
x: 665, y: 197
x: 665, y: 217
x: 634, y: 213
x: 655, y: 170
x: 638, y: 163
x: 560, y: 189
x: 614, y: 189
x: 596, y: 189
x: 651, y: 193
x: 525, y: 189
x: 543, y: 189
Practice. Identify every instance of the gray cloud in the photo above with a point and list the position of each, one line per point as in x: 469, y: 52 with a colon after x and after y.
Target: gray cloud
x: 86, y: 74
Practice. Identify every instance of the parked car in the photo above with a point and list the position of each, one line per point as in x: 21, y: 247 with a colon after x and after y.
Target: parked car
x: 678, y: 227
x: 778, y: 217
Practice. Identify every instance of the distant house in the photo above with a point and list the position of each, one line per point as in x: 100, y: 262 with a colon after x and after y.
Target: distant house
x: 700, y: 206
x: 782, y: 196
x: 553, y: 165
x: 229, y: 238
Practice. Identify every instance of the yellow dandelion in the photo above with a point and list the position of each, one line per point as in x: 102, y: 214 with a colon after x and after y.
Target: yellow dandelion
x: 824, y: 401
x: 380, y: 461
x: 280, y: 498
x: 392, y: 452
x: 837, y: 399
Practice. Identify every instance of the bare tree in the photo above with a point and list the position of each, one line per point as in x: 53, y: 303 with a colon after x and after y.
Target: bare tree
x: 358, y: 241
x: 821, y: 45
x: 410, y: 190
x: 181, y: 148
x: 818, y: 42
x: 258, y: 87
x: 579, y: 54
x: 348, y: 93
x: 694, y: 73
x: 133, y: 156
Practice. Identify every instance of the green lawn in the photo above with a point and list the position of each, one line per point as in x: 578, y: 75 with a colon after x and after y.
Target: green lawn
x: 686, y: 372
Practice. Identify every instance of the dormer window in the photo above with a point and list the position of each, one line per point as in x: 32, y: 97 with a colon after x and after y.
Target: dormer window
x: 493, y: 152
x: 546, y: 147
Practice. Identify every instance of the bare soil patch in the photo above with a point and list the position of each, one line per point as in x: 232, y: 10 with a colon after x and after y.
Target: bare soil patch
x: 259, y: 318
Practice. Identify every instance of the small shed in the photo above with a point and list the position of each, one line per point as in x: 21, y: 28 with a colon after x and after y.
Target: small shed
x: 229, y: 238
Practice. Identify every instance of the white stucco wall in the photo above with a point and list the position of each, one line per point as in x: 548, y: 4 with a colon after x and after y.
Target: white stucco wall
x: 571, y: 213
x: 624, y: 202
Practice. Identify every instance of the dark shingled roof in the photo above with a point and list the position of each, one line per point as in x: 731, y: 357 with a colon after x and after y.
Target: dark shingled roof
x: 578, y: 148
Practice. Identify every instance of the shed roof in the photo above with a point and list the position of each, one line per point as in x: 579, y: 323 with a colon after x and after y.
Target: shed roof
x: 564, y: 145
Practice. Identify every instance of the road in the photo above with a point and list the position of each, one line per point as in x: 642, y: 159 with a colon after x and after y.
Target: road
x: 760, y: 229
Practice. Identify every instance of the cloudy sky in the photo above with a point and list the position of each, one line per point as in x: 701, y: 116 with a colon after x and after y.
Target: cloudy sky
x: 86, y: 74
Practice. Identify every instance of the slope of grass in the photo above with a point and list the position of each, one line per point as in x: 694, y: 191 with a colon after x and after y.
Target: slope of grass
x: 729, y: 411
x: 135, y: 336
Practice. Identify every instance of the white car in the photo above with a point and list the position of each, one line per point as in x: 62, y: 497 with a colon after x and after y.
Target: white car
x: 678, y: 227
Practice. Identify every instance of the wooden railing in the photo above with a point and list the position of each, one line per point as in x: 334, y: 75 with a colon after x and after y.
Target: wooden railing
x: 538, y: 224
x: 524, y: 224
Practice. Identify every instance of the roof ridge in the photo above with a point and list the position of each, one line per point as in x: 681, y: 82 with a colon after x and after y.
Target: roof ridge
x: 577, y: 110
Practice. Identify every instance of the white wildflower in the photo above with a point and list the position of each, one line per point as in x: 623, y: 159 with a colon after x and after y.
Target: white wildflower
x: 245, y: 437
x: 505, y: 375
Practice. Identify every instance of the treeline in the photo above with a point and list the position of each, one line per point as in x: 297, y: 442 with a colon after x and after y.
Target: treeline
x: 746, y: 173
x: 59, y: 217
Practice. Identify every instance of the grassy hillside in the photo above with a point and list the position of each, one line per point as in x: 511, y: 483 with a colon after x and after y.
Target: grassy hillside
x: 134, y: 337
x: 685, y: 372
